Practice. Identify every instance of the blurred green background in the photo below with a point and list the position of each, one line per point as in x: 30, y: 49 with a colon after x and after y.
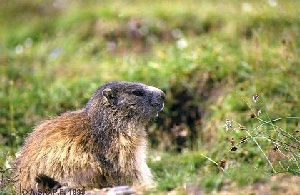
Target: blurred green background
x: 210, y: 57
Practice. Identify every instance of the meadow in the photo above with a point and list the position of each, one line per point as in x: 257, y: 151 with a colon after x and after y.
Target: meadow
x: 230, y: 70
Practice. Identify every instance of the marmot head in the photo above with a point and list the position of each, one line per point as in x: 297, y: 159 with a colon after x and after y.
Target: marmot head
x: 130, y: 101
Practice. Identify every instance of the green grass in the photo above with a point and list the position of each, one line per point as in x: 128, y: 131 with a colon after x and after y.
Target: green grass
x: 172, y: 170
x: 52, y: 59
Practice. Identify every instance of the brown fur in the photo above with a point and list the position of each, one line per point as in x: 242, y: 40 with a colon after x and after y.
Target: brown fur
x: 74, y: 149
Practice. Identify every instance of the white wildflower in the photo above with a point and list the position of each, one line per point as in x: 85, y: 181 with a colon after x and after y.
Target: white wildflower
x: 255, y: 97
x: 273, y: 3
x: 228, y: 124
x: 55, y: 53
x: 182, y: 43
x: 157, y: 158
x: 19, y: 49
x: 8, y: 163
x: 246, y: 7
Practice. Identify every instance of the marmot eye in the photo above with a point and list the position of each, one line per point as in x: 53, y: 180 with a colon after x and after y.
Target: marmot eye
x: 138, y: 93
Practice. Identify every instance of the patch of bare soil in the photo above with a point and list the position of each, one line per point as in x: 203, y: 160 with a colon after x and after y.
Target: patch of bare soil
x: 279, y: 184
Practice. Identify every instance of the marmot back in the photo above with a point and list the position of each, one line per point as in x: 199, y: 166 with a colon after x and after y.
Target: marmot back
x: 101, y: 145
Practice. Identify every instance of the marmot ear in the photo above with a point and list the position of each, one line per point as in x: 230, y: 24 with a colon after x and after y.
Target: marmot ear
x: 109, y: 95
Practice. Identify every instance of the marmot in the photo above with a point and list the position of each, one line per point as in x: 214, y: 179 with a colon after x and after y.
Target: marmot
x: 101, y: 145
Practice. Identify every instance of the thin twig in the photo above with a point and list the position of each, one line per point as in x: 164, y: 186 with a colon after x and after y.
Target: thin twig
x: 211, y: 160
x: 261, y: 150
x: 293, y: 117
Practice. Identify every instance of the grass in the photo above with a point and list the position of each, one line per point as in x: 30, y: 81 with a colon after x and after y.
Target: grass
x: 209, y: 57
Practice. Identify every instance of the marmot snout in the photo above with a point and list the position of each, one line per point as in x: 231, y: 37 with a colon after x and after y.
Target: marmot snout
x: 101, y: 145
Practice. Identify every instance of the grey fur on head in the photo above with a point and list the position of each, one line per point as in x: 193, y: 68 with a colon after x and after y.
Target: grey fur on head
x: 131, y: 101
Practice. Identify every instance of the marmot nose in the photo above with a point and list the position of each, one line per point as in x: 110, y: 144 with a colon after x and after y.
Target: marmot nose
x: 157, y: 99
